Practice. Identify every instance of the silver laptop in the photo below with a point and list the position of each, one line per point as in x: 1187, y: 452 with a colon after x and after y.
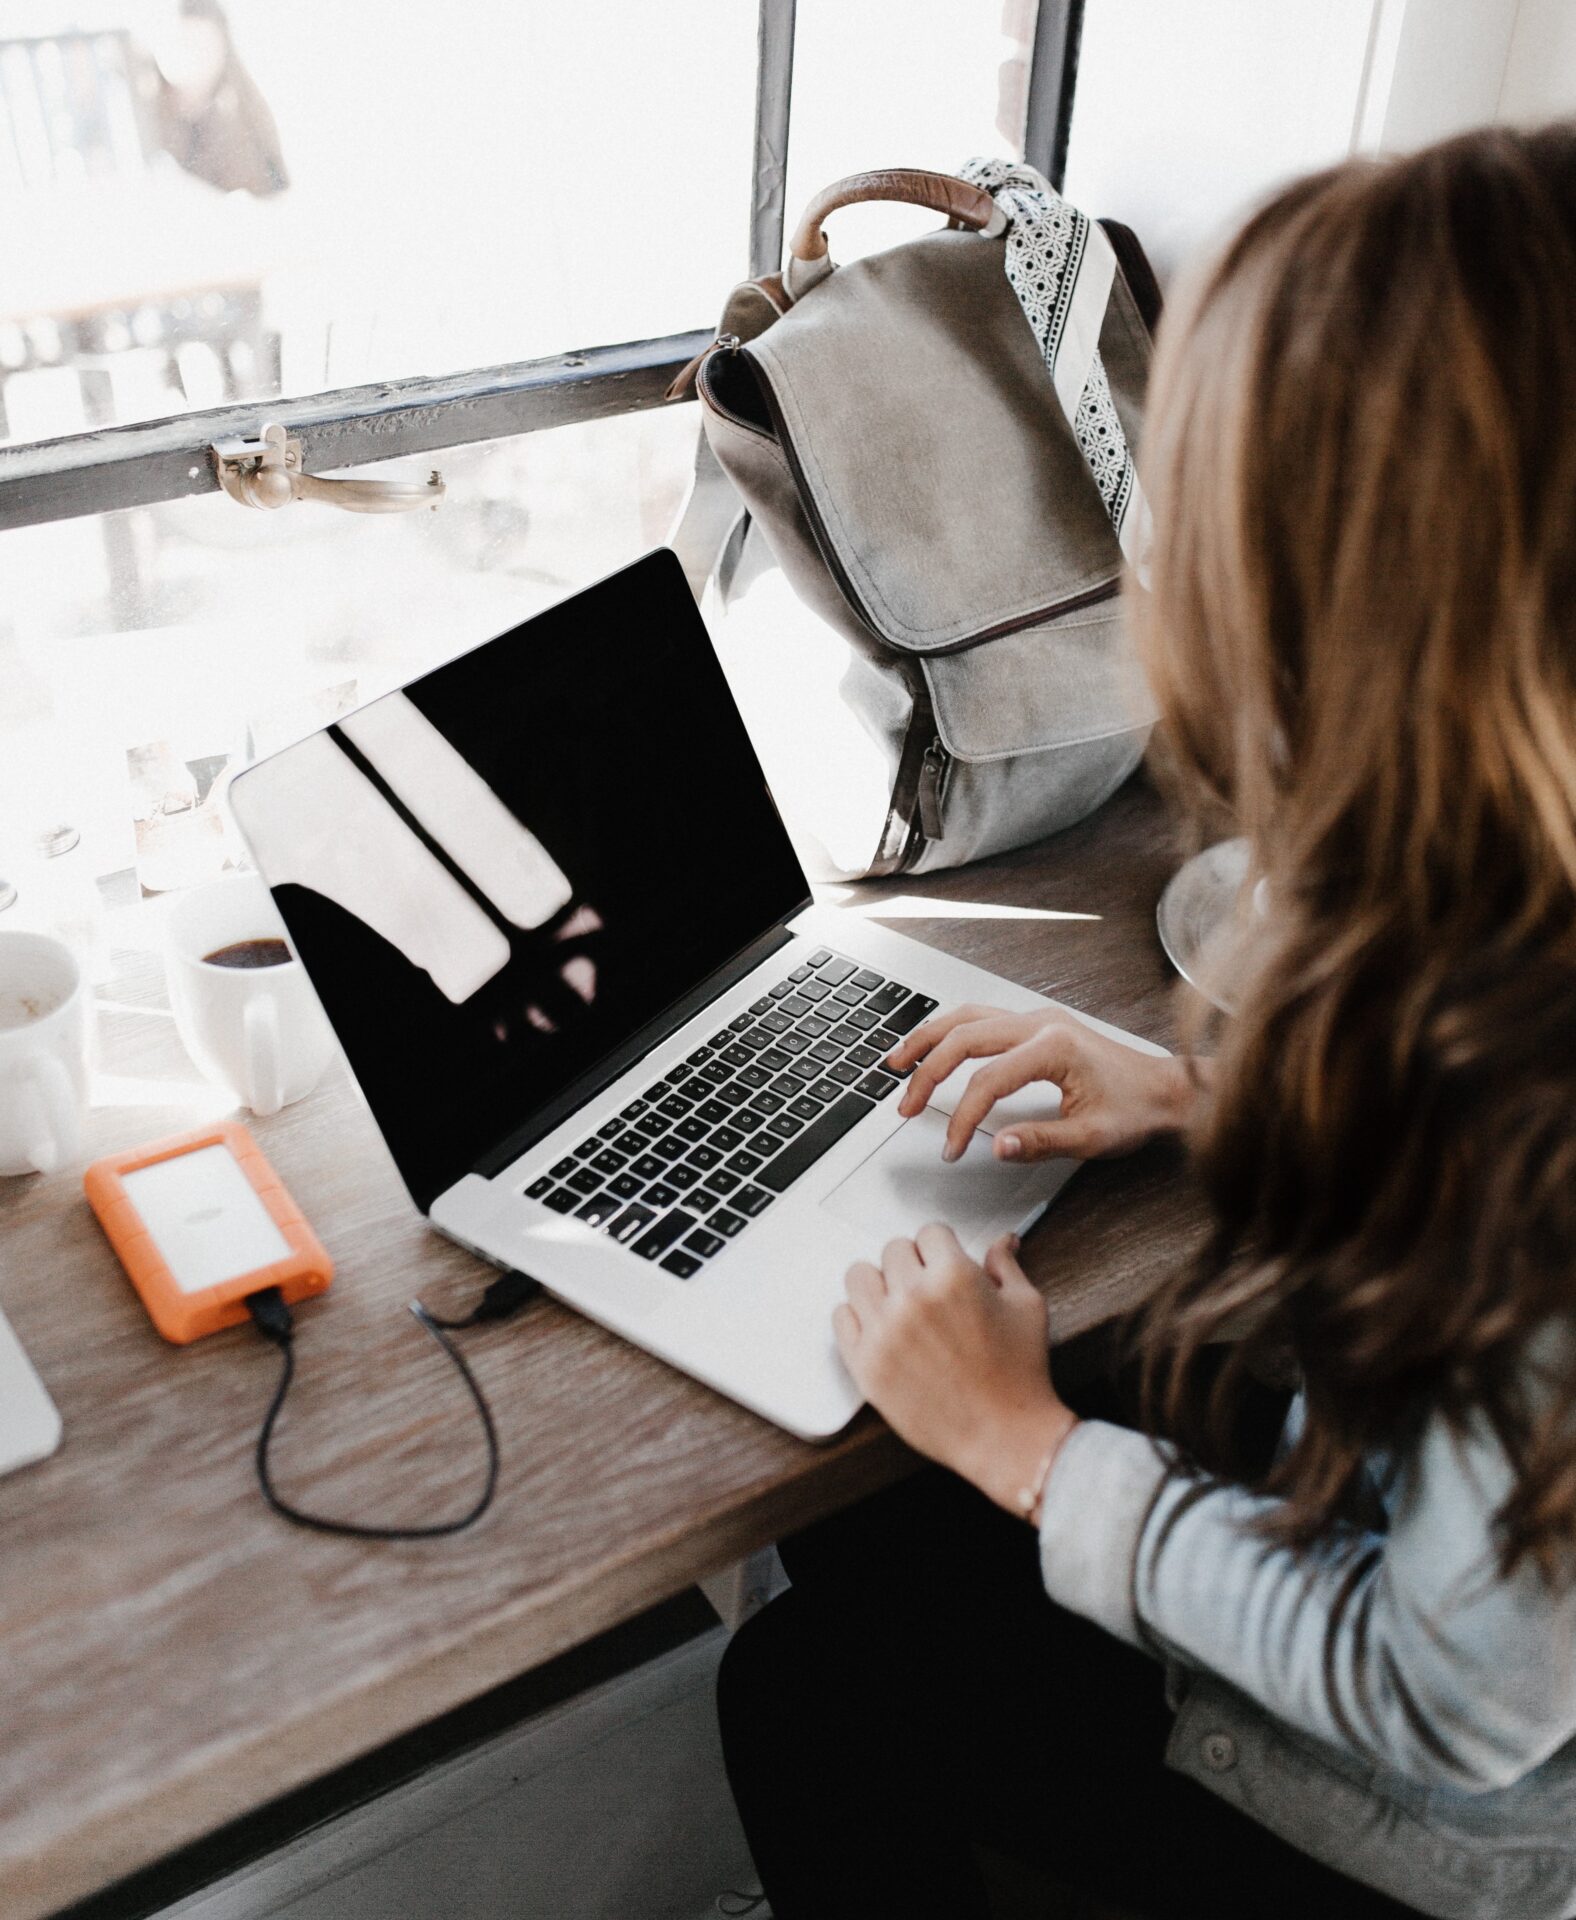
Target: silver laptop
x: 557, y: 924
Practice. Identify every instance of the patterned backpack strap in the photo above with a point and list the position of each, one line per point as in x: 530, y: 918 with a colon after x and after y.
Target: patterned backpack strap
x: 1061, y: 266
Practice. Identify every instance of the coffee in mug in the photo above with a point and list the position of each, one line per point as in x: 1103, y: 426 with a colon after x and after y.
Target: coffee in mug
x: 243, y: 1005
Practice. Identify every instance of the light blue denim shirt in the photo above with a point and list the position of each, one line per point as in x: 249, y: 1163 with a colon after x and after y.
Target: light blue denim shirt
x: 1389, y: 1705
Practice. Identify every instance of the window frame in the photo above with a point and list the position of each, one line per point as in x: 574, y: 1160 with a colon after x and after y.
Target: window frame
x: 151, y: 461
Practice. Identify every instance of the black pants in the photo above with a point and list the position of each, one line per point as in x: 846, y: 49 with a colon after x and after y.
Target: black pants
x: 917, y: 1692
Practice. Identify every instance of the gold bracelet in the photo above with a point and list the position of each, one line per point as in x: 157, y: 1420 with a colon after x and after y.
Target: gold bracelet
x: 1031, y: 1499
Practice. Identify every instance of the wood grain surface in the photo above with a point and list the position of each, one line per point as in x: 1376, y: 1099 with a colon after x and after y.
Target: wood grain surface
x: 172, y: 1655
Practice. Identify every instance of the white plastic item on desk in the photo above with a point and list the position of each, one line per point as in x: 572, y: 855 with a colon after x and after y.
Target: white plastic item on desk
x: 45, y: 1040
x: 29, y: 1423
x: 258, y: 1031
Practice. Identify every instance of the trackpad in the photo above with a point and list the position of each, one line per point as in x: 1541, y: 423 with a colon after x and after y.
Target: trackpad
x: 906, y: 1183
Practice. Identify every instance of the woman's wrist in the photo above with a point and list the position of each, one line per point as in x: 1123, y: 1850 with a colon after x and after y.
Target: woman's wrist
x: 1182, y: 1083
x: 1018, y: 1457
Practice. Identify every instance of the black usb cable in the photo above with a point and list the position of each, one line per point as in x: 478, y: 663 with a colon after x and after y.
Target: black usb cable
x: 272, y: 1317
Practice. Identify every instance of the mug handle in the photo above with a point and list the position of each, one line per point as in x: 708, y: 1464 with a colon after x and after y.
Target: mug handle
x: 53, y: 1129
x: 264, y: 1078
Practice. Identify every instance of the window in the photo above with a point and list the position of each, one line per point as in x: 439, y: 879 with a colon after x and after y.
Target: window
x: 478, y: 236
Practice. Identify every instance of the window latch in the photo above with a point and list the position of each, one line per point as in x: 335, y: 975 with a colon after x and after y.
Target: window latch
x: 266, y: 472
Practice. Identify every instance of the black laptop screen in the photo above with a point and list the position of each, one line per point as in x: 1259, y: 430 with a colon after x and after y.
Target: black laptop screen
x: 497, y: 876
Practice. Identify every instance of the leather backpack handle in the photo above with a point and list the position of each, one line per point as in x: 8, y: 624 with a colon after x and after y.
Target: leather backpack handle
x: 963, y: 204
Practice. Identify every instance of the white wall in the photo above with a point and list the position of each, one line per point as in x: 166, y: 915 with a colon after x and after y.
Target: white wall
x: 1540, y: 73
x: 1190, y: 112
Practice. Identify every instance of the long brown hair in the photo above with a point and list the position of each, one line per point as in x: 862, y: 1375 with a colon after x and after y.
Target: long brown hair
x: 1361, y: 455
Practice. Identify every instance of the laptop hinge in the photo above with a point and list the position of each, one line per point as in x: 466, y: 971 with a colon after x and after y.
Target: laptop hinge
x: 579, y: 1092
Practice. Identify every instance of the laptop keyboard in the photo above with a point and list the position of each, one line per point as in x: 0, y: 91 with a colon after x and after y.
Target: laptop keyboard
x: 706, y: 1149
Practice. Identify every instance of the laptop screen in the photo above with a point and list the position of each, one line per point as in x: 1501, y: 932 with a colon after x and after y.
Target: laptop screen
x: 498, y: 875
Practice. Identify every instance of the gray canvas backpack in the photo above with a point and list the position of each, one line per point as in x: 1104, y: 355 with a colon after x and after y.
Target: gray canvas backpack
x: 893, y: 434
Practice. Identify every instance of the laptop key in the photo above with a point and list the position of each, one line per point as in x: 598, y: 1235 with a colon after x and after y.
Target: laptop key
x: 647, y: 1167
x: 821, y: 1135
x: 826, y: 1091
x: 744, y: 1161
x: 737, y: 1056
x: 862, y: 1018
x: 800, y: 973
x: 863, y: 1056
x: 626, y: 1186
x: 782, y: 989
x: 694, y: 1088
x: 752, y: 1200
x: 813, y: 1026
x: 733, y: 1095
x: 796, y: 1004
x: 698, y: 1058
x: 815, y: 989
x: 712, y: 1113
x: 716, y: 1071
x: 562, y: 1170
x: 738, y: 1025
x: 680, y: 1175
x: 794, y: 1042
x: 721, y: 1181
x: 631, y: 1221
x: 725, y: 1139
x: 539, y: 1187
x: 660, y: 1194
x: 647, y: 1128
x: 755, y: 1038
x: 633, y: 1111
x: 763, y: 1005
x: 805, y: 1070
x: 609, y: 1162
x: 893, y: 994
x: 720, y: 1040
x: 561, y: 1200
x: 673, y: 1148
x: 754, y: 1076
x: 785, y: 1125
x: 705, y: 1243
x: 876, y: 1085
x: 699, y: 1200
x: 776, y: 1021
x: 587, y: 1147
x: 805, y: 1108
x: 703, y: 1157
x: 820, y: 957
x: 725, y: 1220
x: 694, y: 1128
x: 843, y: 1073
x: 685, y: 1265
x: 785, y: 1084
x: 844, y: 1036
x: 670, y: 1228
x: 674, y: 1107
x: 599, y: 1209
x: 766, y: 1102
x: 835, y: 972
x: 826, y: 1051
x: 917, y: 1007
x: 583, y: 1180
x: 865, y: 979
x: 848, y: 994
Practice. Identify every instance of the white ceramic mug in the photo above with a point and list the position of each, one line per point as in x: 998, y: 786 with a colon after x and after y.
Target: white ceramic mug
x: 45, y: 1030
x: 257, y: 1030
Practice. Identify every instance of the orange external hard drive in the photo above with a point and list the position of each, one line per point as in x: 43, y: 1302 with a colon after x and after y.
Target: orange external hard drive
x: 200, y: 1222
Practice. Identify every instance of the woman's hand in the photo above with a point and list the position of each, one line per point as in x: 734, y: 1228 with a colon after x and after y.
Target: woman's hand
x: 954, y: 1355
x: 1113, y: 1097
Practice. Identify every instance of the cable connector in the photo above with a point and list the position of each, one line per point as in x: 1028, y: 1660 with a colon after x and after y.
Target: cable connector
x: 271, y: 1315
x: 507, y: 1294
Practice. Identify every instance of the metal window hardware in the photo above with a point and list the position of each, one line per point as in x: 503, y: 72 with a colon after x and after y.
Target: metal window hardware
x: 266, y: 472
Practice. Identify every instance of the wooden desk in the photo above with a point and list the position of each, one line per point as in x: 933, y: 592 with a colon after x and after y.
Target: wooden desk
x: 172, y: 1655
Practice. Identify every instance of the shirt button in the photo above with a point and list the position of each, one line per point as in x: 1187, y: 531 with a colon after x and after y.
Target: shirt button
x: 1218, y: 1751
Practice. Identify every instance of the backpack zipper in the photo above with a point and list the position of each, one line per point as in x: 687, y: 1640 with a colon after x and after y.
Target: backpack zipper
x: 932, y: 779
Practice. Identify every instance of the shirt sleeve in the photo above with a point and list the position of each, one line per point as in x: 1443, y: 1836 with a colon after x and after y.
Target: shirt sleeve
x: 1404, y: 1648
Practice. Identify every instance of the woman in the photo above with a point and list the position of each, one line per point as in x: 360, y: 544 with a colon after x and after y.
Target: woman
x: 1340, y: 1680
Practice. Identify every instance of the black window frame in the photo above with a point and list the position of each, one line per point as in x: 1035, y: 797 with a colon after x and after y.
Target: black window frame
x: 144, y: 463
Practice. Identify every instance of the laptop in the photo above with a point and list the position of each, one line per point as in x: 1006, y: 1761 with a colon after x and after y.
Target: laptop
x: 559, y: 928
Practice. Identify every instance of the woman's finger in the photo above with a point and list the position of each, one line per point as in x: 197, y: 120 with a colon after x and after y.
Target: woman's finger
x: 915, y: 1045
x: 972, y: 1040
x: 938, y: 1246
x: 1080, y: 1139
x: 866, y: 1286
x: 846, y: 1331
x: 900, y: 1263
x: 1046, y: 1056
x: 1002, y: 1265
